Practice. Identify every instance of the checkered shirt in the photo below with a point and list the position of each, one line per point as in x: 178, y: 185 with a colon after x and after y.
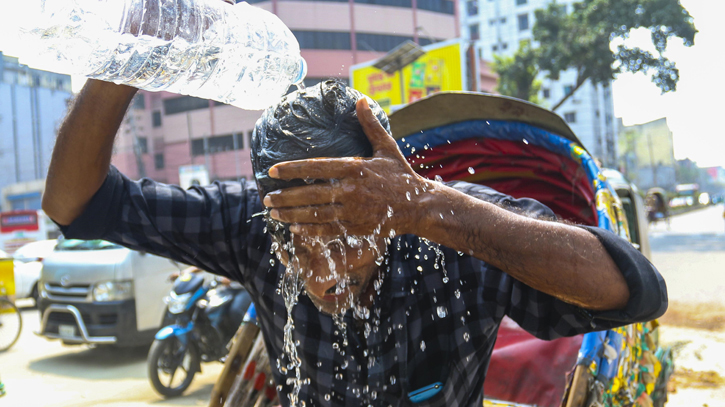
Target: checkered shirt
x: 432, y: 322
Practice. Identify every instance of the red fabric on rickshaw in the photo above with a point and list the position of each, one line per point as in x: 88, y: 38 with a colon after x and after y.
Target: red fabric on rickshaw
x: 523, y: 369
x: 527, y: 370
x: 517, y: 169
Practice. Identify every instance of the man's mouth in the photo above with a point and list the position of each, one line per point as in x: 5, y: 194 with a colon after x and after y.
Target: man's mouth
x: 339, y: 292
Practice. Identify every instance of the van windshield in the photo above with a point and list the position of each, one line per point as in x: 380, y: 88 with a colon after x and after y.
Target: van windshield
x: 75, y: 244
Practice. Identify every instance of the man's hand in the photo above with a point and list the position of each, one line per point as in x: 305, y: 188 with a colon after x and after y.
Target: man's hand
x: 359, y: 196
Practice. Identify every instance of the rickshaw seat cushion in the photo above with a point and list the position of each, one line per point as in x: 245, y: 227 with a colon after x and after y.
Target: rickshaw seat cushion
x: 528, y: 370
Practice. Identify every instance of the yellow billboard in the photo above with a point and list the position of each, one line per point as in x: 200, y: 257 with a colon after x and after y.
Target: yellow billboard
x: 441, y: 68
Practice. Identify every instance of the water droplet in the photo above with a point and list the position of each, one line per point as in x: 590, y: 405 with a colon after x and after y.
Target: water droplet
x: 471, y: 170
x: 466, y: 336
x: 407, y: 195
x: 422, y: 346
x: 442, y: 312
x: 343, y: 365
x: 390, y: 212
x: 338, y: 376
x: 457, y: 293
x: 327, y: 397
x: 392, y: 379
x: 420, y: 268
x: 319, y: 364
x: 271, y: 262
x: 445, y: 280
x: 391, y: 234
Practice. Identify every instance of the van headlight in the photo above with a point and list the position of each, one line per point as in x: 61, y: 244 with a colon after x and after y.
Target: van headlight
x: 113, y: 291
x: 177, y: 303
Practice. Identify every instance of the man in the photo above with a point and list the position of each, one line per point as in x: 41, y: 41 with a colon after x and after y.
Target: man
x: 430, y: 269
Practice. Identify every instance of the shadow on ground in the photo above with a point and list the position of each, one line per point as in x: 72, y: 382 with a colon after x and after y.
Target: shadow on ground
x: 100, y: 363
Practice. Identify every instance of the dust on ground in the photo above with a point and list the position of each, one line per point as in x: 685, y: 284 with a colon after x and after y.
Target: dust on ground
x: 696, y: 331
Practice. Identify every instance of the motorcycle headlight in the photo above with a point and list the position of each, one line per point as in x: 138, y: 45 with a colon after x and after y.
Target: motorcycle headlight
x: 113, y: 291
x: 177, y: 303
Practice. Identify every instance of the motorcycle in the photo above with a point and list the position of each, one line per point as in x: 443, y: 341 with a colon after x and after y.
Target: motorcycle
x: 203, y: 315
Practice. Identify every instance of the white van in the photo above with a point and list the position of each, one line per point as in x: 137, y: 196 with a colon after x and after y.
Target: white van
x: 97, y: 292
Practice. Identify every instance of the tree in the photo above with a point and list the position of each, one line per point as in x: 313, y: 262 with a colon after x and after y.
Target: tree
x: 581, y: 40
x: 517, y: 74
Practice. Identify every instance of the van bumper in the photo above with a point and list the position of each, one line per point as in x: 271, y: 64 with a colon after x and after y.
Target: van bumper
x: 92, y: 323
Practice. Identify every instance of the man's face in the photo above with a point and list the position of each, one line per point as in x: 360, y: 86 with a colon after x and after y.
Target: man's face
x: 337, y: 273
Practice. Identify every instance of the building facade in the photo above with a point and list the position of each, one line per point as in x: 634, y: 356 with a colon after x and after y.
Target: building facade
x: 164, y: 131
x: 647, y: 155
x: 498, y: 26
x: 32, y: 105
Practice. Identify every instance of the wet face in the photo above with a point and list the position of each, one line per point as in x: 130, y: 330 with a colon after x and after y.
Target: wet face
x: 337, y: 273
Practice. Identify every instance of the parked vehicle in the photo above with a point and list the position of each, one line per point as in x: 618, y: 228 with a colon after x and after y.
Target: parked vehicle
x: 28, y: 264
x: 634, y: 208
x: 97, y: 292
x: 523, y: 150
x: 206, y: 313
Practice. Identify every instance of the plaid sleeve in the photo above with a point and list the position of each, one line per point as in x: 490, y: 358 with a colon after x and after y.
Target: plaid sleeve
x: 547, y: 317
x: 198, y: 226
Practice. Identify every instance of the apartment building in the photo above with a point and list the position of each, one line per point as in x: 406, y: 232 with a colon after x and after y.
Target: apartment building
x: 498, y: 26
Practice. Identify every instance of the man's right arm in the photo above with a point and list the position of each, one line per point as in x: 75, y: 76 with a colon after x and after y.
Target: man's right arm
x: 82, y: 153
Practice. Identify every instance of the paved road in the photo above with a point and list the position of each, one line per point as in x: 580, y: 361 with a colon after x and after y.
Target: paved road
x: 42, y: 373
x: 690, y: 254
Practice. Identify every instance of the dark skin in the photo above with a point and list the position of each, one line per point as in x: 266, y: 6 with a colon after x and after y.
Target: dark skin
x: 562, y: 260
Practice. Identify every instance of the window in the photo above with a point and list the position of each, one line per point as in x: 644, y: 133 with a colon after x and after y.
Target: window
x: 159, y: 161
x: 546, y: 92
x: 523, y: 22
x: 249, y: 138
x: 186, y: 103
x: 394, y: 3
x: 494, y: 48
x: 438, y: 6
x: 379, y: 42
x: 139, y: 102
x: 472, y: 7
x: 239, y: 139
x: 492, y: 22
x: 143, y: 145
x: 503, y: 20
x: 520, y: 2
x: 473, y: 33
x: 568, y: 89
x: 504, y: 46
x: 570, y: 117
x: 323, y: 39
x: 156, y: 119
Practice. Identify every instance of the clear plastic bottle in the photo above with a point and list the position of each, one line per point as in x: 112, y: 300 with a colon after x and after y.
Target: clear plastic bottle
x: 236, y: 54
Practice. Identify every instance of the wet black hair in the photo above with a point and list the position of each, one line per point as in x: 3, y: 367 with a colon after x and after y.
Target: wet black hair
x: 319, y: 121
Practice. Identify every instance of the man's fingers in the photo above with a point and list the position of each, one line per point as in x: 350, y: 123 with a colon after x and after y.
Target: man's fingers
x: 318, y: 194
x: 317, y: 168
x: 307, y: 214
x: 379, y: 138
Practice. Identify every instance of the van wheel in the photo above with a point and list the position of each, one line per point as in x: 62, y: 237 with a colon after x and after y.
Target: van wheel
x: 172, y: 366
x: 35, y: 295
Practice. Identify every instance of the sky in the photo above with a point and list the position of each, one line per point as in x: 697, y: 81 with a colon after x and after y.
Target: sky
x: 692, y: 112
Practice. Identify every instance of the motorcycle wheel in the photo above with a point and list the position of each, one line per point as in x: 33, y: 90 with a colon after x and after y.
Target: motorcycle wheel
x: 172, y: 368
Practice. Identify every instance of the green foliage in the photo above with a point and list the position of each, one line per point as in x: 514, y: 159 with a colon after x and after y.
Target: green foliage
x: 581, y: 39
x: 517, y: 74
